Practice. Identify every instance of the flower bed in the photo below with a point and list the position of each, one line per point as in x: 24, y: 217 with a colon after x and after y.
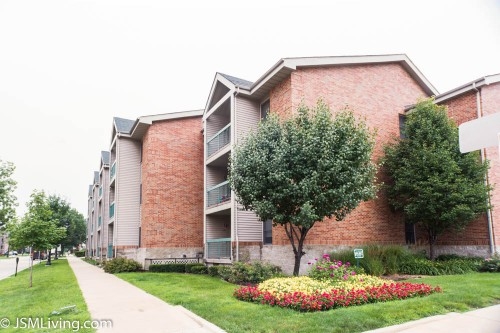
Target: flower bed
x: 305, y: 294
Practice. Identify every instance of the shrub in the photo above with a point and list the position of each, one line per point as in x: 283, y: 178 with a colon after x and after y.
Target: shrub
x: 213, y: 271
x: 170, y: 268
x: 80, y: 253
x: 327, y: 269
x: 119, y: 265
x: 199, y: 269
x: 241, y: 273
x: 490, y: 265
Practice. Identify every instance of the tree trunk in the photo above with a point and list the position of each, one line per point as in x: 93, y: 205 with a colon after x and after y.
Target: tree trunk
x: 49, y: 262
x: 432, y: 242
x: 297, y: 240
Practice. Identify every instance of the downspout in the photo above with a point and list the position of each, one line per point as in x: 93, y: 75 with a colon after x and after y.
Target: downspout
x: 235, y: 204
x: 486, y: 179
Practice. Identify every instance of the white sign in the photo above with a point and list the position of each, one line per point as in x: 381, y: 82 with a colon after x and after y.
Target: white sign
x: 358, y: 254
x: 479, y: 133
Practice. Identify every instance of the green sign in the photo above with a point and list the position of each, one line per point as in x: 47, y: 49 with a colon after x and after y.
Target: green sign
x: 358, y: 254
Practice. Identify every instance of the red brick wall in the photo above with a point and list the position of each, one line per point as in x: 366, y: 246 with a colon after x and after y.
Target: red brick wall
x: 377, y: 93
x: 464, y: 108
x: 490, y: 99
x: 172, y: 184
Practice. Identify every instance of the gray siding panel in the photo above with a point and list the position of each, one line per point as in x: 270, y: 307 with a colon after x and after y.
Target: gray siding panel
x: 128, y: 180
x: 218, y: 226
x: 249, y: 226
x: 247, y: 118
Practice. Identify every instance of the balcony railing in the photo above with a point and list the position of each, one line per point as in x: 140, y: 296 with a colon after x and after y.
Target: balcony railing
x: 219, y: 140
x: 112, y: 210
x: 100, y: 191
x: 219, y: 248
x: 219, y: 194
x: 99, y: 221
x: 112, y: 173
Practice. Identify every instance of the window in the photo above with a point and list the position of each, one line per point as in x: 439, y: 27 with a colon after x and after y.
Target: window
x: 264, y: 109
x: 140, y: 194
x: 402, y: 121
x: 409, y: 233
x: 267, y: 236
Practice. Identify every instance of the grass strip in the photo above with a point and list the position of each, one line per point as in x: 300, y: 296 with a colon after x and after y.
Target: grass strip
x: 54, y: 287
x: 212, y: 299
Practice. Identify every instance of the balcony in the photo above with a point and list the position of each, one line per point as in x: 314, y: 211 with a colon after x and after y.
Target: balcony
x: 112, y: 210
x: 112, y: 173
x: 219, y: 248
x: 99, y: 221
x: 219, y: 194
x: 100, y: 192
x: 219, y: 140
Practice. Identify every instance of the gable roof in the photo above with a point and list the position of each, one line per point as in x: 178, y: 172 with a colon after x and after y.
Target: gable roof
x: 105, y: 157
x: 237, y: 81
x: 123, y: 125
x: 285, y: 66
x: 142, y: 123
x: 473, y: 85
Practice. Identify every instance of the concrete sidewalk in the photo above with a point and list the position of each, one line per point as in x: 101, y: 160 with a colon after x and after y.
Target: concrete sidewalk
x: 130, y: 308
x: 486, y: 320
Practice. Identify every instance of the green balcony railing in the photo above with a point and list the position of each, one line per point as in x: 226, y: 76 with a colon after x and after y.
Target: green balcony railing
x: 112, y: 210
x: 112, y: 173
x: 219, y: 194
x: 219, y: 248
x: 219, y: 140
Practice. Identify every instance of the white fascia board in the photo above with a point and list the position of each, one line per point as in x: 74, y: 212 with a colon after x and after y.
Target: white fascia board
x: 476, y: 84
x: 218, y: 78
x: 172, y: 115
x: 293, y: 63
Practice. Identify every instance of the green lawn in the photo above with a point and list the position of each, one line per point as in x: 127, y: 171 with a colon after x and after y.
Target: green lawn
x: 54, y: 287
x: 212, y: 299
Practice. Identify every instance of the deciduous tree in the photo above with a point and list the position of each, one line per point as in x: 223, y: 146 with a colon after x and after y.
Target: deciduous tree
x: 299, y: 170
x: 37, y: 230
x: 8, y: 201
x: 432, y: 183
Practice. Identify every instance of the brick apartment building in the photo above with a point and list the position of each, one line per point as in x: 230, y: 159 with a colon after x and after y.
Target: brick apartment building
x: 184, y: 206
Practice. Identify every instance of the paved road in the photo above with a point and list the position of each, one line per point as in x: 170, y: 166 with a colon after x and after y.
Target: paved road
x: 8, y: 265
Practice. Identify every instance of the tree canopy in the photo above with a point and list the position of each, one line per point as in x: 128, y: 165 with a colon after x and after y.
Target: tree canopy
x: 299, y: 170
x: 8, y: 201
x: 37, y: 229
x: 68, y: 218
x: 431, y: 182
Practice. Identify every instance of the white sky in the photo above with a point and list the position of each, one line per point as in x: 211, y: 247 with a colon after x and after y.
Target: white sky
x: 67, y: 67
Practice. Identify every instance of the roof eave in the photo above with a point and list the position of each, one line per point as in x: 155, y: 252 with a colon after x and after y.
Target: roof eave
x: 471, y: 86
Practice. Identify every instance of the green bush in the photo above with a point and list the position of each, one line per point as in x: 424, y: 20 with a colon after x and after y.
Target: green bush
x: 213, y: 271
x: 378, y: 259
x: 191, y: 267
x: 168, y: 268
x: 490, y: 265
x: 241, y: 273
x: 80, y: 253
x: 119, y: 265
x: 199, y: 269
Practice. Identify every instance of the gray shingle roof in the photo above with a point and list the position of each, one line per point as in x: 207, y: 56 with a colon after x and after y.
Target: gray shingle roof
x: 105, y: 157
x: 238, y: 82
x: 123, y: 125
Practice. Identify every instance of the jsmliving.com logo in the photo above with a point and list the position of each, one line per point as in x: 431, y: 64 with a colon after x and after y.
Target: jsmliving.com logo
x: 49, y: 323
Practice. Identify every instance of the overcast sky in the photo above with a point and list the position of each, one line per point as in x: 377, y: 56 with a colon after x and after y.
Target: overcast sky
x: 67, y: 67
